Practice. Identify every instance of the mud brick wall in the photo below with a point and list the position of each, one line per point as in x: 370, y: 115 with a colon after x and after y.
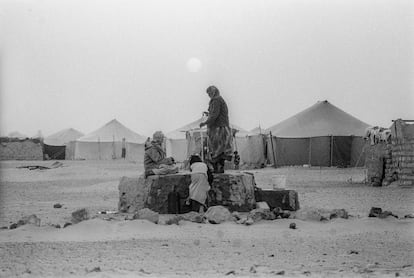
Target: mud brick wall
x: 25, y: 150
x: 403, y: 152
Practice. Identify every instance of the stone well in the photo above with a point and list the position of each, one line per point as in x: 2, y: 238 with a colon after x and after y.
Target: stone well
x: 234, y: 190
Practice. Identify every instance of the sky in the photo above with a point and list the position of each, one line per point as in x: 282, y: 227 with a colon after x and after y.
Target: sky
x: 80, y: 64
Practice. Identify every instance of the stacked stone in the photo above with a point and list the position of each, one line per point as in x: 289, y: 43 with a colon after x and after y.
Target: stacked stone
x: 389, y: 171
x: 403, y: 161
x: 25, y: 150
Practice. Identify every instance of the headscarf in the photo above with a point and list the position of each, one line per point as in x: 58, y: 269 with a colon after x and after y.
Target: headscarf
x: 213, y: 89
x: 158, y: 137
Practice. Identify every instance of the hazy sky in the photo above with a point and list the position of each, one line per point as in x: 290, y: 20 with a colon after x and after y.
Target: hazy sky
x: 82, y: 63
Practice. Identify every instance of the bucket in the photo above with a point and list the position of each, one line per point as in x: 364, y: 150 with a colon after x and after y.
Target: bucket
x: 279, y: 181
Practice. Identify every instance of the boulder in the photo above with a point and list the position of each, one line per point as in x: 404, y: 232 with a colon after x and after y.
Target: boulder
x: 284, y: 199
x: 218, y: 214
x: 147, y: 214
x: 80, y: 215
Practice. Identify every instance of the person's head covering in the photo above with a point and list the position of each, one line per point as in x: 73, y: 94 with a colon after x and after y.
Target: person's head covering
x: 213, y: 89
x: 158, y: 136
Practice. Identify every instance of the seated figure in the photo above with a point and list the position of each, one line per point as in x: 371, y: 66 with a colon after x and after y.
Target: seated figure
x: 155, y: 160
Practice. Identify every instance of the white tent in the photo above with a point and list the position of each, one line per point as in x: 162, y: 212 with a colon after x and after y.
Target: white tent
x: 62, y: 137
x: 107, y: 143
x: 16, y: 134
x: 176, y: 142
x: 60, y: 145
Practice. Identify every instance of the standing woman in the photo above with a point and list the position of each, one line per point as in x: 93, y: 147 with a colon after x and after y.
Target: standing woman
x: 218, y: 130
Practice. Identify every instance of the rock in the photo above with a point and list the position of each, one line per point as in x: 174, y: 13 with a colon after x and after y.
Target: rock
x: 230, y: 272
x: 284, y: 199
x: 339, y: 213
x: 175, y: 220
x: 262, y: 205
x: 236, y: 215
x: 411, y: 215
x: 57, y: 226
x: 259, y: 213
x: 30, y: 219
x: 80, y: 215
x: 67, y: 224
x: 249, y: 221
x: 375, y: 212
x: 4, y: 228
x: 192, y: 216
x: 285, y: 214
x: 57, y: 205
x: 13, y: 226
x: 282, y: 272
x: 386, y: 213
x: 292, y: 226
x: 218, y: 214
x: 147, y: 214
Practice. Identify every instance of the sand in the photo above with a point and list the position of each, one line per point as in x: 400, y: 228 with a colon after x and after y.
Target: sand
x: 356, y: 247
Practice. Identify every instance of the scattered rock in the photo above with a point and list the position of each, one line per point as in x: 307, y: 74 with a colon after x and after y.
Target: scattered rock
x: 218, y: 214
x: 252, y: 269
x: 143, y: 271
x: 285, y: 214
x: 353, y: 252
x: 277, y: 212
x: 147, y: 214
x: 249, y: 221
x: 231, y: 272
x: 282, y: 272
x: 260, y: 213
x: 193, y: 216
x: 236, y: 215
x: 375, y: 212
x: 386, y: 213
x: 339, y: 213
x: 411, y: 215
x: 292, y: 226
x: 262, y: 205
x: 58, y: 206
x: 80, y: 215
x: 95, y: 269
x: 13, y: 226
x: 175, y: 220
x: 4, y: 228
x: 67, y: 224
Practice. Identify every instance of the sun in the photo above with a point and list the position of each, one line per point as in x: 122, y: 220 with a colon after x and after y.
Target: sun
x: 194, y: 65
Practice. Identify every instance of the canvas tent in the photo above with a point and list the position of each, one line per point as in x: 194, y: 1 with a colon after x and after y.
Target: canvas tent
x: 106, y: 143
x: 177, y: 141
x: 321, y: 135
x: 59, y: 146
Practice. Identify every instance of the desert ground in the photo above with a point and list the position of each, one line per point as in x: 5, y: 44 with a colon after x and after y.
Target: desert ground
x: 360, y: 246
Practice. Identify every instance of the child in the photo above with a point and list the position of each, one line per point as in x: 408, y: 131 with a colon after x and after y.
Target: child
x: 199, y: 184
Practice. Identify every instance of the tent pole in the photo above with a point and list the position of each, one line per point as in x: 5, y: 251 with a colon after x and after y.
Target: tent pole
x: 273, y: 150
x: 331, y: 149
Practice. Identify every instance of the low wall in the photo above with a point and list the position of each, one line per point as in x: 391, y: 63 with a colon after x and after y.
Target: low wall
x: 23, y: 150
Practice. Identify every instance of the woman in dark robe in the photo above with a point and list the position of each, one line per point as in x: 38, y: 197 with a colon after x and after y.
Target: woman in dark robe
x: 218, y: 130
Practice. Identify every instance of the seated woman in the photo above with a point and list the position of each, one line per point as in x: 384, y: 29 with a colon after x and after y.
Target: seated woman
x: 200, y: 184
x: 155, y: 160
